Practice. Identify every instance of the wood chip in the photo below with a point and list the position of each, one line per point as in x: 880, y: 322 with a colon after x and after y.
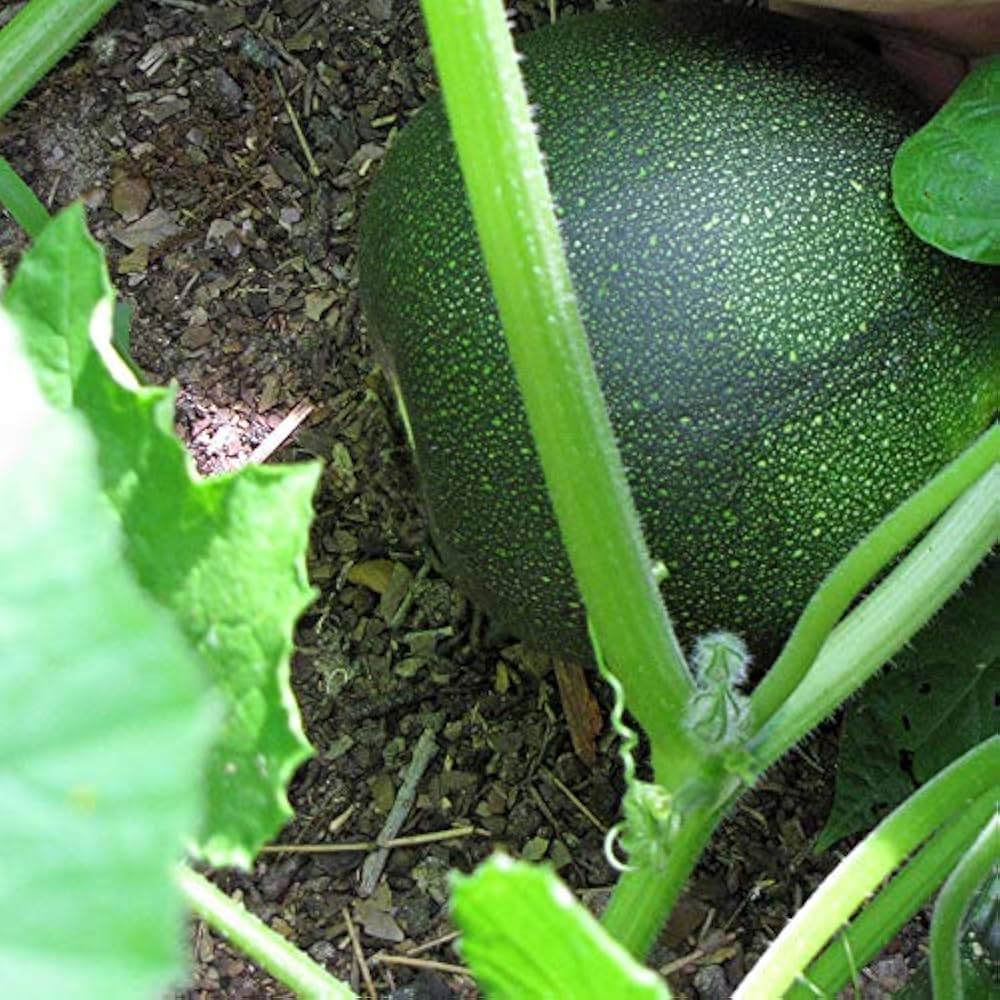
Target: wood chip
x: 281, y: 433
x: 130, y: 197
x: 151, y: 230
x: 374, y: 574
x: 583, y: 714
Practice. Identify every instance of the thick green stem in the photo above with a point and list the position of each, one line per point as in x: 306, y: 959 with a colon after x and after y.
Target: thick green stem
x: 887, y: 619
x: 22, y: 203
x: 512, y: 206
x: 861, y: 565
x: 266, y: 947
x: 883, y: 918
x: 643, y: 898
x: 951, y: 906
x: 38, y: 37
x: 860, y: 873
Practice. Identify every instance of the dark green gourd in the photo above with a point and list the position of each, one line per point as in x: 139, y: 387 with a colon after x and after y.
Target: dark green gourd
x: 783, y: 361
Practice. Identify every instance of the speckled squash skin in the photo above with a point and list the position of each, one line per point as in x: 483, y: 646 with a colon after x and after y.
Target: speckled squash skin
x: 783, y: 361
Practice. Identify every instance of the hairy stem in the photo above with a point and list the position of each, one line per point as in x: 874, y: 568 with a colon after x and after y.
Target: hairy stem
x: 887, y: 619
x: 951, y: 906
x: 266, y: 947
x: 512, y: 207
x: 883, y: 918
x: 643, y: 898
x: 861, y: 565
x: 860, y: 873
x: 38, y: 37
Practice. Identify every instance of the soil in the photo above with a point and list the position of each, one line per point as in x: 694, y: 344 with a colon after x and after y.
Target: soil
x: 174, y: 123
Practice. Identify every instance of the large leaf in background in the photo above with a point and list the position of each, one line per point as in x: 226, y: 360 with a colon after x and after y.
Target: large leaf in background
x: 225, y: 555
x: 946, y: 177
x: 936, y: 701
x: 103, y: 722
x: 524, y: 935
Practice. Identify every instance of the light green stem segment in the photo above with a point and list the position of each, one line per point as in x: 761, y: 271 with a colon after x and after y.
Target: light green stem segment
x: 861, y: 565
x: 38, y: 37
x: 266, y: 947
x: 883, y: 918
x: 643, y: 897
x: 22, y: 203
x: 508, y: 191
x: 886, y: 620
x: 860, y: 873
x: 951, y: 907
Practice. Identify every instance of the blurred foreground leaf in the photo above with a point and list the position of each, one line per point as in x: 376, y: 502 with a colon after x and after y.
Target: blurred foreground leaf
x: 225, y: 555
x: 524, y: 935
x: 103, y: 724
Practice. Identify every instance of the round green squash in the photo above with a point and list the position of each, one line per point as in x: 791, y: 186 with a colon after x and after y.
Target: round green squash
x: 783, y: 361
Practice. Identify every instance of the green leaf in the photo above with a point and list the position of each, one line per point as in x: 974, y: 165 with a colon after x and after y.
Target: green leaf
x: 525, y: 936
x: 225, y: 555
x: 104, y: 723
x: 946, y: 177
x: 22, y: 203
x: 40, y: 34
x: 933, y: 704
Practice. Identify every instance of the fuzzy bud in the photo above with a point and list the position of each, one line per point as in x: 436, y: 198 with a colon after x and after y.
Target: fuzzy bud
x: 717, y: 711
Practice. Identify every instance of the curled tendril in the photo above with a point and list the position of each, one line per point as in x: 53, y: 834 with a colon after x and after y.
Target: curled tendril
x: 650, y: 822
x: 628, y: 736
x: 609, y: 849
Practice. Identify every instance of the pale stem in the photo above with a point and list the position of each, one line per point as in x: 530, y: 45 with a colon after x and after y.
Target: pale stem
x: 888, y: 618
x: 952, y: 905
x: 859, y: 874
x: 884, y: 917
x: 268, y: 948
x: 511, y: 203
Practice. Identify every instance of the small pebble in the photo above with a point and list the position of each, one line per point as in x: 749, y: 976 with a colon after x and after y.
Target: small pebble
x: 278, y: 878
x: 130, y: 197
x: 323, y: 952
x: 223, y: 94
x: 711, y: 983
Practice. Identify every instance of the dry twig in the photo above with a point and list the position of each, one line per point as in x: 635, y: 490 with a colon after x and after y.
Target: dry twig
x: 431, y: 945
x: 373, y: 845
x: 352, y: 933
x: 585, y: 812
x: 297, y: 128
x: 281, y: 433
x: 424, y: 751
x: 422, y: 963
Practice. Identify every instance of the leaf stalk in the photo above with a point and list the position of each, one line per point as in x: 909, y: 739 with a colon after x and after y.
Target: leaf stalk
x: 268, y: 948
x: 861, y: 565
x: 953, y: 903
x: 880, y: 626
x: 885, y: 916
x: 38, y: 37
x: 512, y: 206
x: 860, y: 873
